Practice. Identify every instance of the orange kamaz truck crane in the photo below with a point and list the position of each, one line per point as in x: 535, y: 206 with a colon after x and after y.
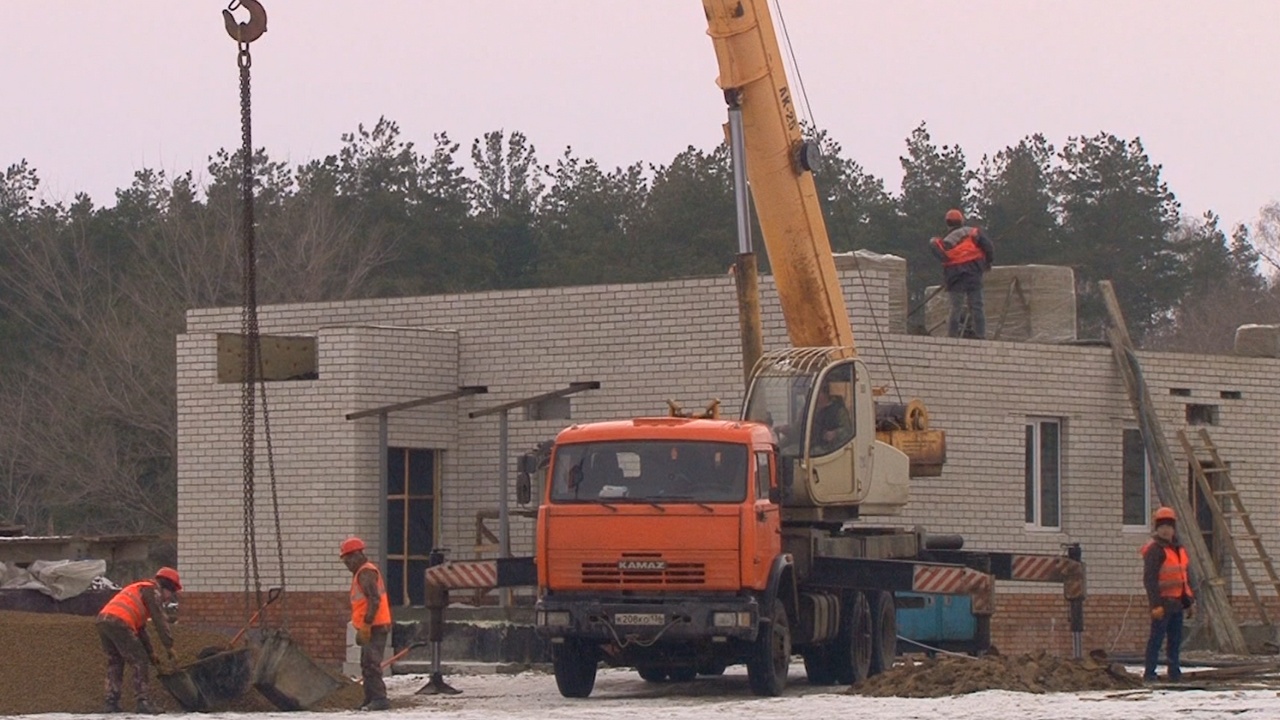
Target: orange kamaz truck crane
x: 679, y: 546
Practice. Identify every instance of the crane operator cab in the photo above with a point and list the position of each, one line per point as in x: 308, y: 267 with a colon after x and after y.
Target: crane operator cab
x: 819, y: 404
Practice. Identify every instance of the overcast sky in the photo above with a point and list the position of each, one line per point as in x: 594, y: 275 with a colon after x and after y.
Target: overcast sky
x: 97, y: 90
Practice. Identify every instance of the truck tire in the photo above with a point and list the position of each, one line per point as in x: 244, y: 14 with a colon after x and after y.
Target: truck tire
x: 884, y: 617
x: 771, y: 656
x: 854, y: 648
x: 575, y: 668
x: 653, y: 674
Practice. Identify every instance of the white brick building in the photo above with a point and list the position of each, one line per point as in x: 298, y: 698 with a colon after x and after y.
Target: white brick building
x: 679, y: 340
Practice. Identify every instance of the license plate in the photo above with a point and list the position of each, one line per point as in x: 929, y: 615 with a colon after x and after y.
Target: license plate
x: 639, y: 619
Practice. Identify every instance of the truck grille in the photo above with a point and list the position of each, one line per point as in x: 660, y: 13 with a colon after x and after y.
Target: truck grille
x: 675, y: 574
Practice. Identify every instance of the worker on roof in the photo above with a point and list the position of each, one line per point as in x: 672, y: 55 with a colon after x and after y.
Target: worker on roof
x: 966, y: 255
x: 1164, y: 575
x: 371, y: 618
x: 122, y: 628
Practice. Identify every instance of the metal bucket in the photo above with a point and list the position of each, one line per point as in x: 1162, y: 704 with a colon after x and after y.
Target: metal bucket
x: 209, y: 681
x: 287, y: 677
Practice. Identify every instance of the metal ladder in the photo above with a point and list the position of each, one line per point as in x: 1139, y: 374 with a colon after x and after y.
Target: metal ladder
x: 1229, y: 496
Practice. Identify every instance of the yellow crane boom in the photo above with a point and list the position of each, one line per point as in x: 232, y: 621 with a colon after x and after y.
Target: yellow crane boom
x: 778, y: 169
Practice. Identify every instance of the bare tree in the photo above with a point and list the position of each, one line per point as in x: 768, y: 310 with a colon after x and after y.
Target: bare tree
x: 98, y: 395
x: 1266, y: 236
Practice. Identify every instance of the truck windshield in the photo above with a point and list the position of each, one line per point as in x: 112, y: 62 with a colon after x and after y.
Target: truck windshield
x: 650, y: 472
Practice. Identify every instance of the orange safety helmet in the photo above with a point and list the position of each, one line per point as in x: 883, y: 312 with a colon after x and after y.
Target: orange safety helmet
x: 1165, y: 514
x: 350, y: 545
x: 168, y: 573
x: 954, y: 217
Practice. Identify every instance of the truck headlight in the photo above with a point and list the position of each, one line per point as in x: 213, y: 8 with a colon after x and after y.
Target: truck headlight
x: 553, y: 618
x: 731, y: 619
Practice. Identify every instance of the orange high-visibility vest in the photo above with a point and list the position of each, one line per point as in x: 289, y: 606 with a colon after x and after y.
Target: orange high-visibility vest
x: 965, y: 251
x: 360, y: 603
x: 1175, y: 582
x: 129, y: 607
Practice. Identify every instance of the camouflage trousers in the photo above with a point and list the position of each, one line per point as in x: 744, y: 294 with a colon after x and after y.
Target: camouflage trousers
x: 371, y: 664
x: 122, y: 646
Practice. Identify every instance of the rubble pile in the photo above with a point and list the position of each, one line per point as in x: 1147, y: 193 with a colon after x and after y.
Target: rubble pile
x: 1035, y: 673
x: 55, y: 663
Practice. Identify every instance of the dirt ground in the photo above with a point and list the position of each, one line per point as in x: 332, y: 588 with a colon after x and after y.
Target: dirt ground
x: 1035, y: 673
x: 55, y: 663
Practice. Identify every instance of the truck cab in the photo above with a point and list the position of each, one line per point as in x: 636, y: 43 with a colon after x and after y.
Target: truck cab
x: 658, y: 540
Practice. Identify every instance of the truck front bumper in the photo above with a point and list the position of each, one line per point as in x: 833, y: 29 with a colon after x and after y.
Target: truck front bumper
x: 646, y: 621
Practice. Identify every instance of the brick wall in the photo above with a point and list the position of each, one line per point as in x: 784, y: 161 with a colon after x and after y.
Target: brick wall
x: 679, y: 340
x: 316, y: 620
x: 1116, y: 623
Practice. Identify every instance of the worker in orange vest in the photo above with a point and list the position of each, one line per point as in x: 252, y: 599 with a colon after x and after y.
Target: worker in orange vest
x: 371, y: 617
x: 122, y: 628
x: 966, y: 254
x: 1168, y: 586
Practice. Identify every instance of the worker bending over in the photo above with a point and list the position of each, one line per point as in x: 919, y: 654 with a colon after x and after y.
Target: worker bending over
x: 122, y: 627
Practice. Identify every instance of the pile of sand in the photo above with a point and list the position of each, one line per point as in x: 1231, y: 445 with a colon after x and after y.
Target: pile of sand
x: 1035, y: 673
x: 55, y: 663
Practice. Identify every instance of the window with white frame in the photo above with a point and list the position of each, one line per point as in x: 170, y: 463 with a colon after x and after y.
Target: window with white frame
x: 1135, y: 480
x: 1043, y: 472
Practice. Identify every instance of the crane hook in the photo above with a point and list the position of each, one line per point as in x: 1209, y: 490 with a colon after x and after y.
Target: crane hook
x: 246, y: 32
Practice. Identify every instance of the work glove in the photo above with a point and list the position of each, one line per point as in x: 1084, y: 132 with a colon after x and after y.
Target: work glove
x: 173, y: 658
x: 1157, y: 612
x: 363, y: 636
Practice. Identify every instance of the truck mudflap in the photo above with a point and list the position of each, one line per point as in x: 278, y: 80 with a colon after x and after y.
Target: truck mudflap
x: 644, y: 623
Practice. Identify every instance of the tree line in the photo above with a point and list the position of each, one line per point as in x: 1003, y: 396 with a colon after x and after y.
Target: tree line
x: 91, y: 296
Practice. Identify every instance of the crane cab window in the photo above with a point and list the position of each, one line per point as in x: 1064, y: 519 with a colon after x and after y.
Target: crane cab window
x: 831, y: 425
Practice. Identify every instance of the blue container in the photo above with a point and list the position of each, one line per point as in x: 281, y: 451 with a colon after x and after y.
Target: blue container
x: 936, y: 620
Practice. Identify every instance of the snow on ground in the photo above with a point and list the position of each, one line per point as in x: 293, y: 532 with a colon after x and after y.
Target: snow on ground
x: 622, y: 694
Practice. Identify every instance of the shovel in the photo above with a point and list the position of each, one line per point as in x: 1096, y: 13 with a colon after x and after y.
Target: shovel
x: 272, y: 595
x: 387, y: 663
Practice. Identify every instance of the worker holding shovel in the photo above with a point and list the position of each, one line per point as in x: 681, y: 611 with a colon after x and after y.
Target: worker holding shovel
x: 371, y: 617
x: 122, y: 627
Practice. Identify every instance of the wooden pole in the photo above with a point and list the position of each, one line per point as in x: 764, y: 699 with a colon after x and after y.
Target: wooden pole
x: 1212, y: 593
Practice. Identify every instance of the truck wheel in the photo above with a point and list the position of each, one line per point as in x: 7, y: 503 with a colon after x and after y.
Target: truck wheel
x: 652, y: 674
x: 855, y: 655
x: 771, y: 657
x: 683, y: 674
x: 575, y: 667
x: 884, y: 646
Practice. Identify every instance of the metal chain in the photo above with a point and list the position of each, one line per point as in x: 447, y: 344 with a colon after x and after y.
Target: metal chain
x: 275, y: 499
x: 252, y: 359
x: 249, y: 330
